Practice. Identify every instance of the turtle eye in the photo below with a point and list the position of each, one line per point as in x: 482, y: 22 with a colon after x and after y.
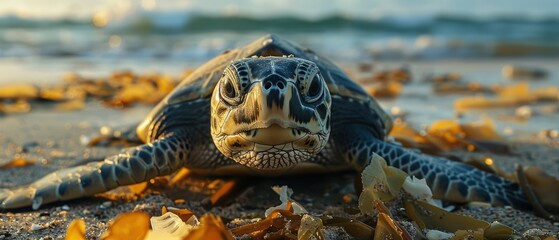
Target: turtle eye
x: 229, y: 91
x: 314, y: 90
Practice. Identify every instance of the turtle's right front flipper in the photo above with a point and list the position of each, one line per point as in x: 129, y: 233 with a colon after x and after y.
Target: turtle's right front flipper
x: 132, y: 165
x: 451, y: 181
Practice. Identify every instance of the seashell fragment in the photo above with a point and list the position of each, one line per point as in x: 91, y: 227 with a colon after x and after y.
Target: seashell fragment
x: 285, y: 197
x: 170, y: 226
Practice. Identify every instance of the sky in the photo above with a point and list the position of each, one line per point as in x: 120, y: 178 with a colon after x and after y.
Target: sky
x: 306, y: 8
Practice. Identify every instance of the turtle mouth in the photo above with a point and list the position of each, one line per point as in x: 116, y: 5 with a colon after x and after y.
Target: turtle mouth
x: 274, y: 134
x: 272, y: 146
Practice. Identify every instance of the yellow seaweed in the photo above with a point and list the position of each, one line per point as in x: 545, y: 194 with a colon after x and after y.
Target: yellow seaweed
x: 386, y: 90
x: 485, y: 130
x: 387, y: 226
x: 428, y: 216
x: 498, y: 230
x: 511, y: 96
x: 536, y: 184
x: 280, y: 223
x: 130, y: 192
x: 76, y: 230
x: 353, y: 227
x: 19, y: 91
x: 541, y: 182
x: 484, y: 102
x: 20, y: 106
x: 132, y: 226
x: 54, y: 94
x: 445, y: 134
x: 227, y: 191
x: 17, y: 162
x: 180, y: 175
x: 407, y: 135
x: 386, y: 229
x: 184, y: 214
x: 71, y: 105
x: 211, y: 227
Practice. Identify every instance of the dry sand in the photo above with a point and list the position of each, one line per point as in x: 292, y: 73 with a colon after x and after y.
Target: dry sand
x: 52, y: 139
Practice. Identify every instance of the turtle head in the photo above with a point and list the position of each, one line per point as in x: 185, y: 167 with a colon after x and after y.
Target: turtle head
x: 270, y: 112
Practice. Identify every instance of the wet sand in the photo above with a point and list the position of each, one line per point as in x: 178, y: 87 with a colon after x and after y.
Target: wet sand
x: 54, y: 141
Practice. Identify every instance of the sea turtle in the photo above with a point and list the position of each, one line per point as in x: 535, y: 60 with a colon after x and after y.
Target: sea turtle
x: 269, y: 108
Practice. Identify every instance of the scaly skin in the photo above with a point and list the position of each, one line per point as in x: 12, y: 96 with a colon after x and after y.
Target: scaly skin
x: 132, y: 165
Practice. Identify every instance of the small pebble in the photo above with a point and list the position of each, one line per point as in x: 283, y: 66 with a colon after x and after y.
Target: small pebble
x: 86, y: 211
x: 57, y: 154
x: 84, y: 140
x: 106, y: 130
x: 106, y: 205
x: 65, y: 207
x: 436, y: 234
x: 179, y: 201
x: 35, y: 227
x: 398, y: 112
x: 63, y: 213
x: 347, y: 198
x: 146, y: 207
x: 524, y: 112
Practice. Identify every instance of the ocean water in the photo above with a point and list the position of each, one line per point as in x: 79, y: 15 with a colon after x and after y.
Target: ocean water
x: 354, y: 30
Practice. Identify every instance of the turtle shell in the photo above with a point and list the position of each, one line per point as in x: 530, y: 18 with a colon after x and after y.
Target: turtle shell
x: 200, y: 84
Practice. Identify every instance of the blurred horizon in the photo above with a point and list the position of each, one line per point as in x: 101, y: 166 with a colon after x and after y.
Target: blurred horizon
x: 313, y: 9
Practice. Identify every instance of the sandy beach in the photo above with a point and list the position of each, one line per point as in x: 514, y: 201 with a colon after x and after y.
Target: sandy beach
x: 56, y: 140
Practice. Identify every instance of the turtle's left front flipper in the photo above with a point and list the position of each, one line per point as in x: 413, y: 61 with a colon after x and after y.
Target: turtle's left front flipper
x: 132, y: 165
x: 449, y: 180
